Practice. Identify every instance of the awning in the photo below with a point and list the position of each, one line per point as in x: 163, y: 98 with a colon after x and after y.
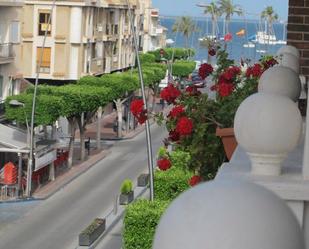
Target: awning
x: 11, y: 138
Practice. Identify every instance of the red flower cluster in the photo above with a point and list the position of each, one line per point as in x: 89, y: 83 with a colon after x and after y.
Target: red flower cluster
x: 226, y: 80
x: 137, y: 109
x: 184, y: 126
x: 170, y: 94
x: 269, y: 63
x: 205, y: 70
x: 177, y: 111
x: 173, y: 136
x: 192, y: 91
x: 164, y: 164
x: 195, y: 180
x: 225, y: 89
x: 255, y: 71
x: 137, y: 106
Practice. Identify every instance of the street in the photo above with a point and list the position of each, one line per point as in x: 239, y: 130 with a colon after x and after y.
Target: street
x: 56, y: 222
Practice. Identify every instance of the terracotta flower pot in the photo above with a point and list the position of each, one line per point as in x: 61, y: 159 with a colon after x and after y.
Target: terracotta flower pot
x: 228, y: 139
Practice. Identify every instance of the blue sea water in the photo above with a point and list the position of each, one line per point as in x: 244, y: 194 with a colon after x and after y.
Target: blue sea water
x: 235, y: 47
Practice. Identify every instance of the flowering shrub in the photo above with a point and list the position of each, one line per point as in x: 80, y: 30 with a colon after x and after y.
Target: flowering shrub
x: 234, y: 84
x: 137, y: 109
x: 170, y: 93
x: 205, y: 70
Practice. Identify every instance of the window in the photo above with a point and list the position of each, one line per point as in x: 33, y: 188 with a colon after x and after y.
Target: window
x: 14, y: 32
x: 44, y: 16
x: 13, y: 87
x: 45, y: 66
x: 115, y: 48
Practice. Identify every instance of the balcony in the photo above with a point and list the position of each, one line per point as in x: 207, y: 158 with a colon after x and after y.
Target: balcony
x: 154, y: 13
x: 97, y: 65
x: 11, y: 3
x: 6, y: 53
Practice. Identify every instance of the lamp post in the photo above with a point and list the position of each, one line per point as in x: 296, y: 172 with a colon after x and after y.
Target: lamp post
x: 16, y: 103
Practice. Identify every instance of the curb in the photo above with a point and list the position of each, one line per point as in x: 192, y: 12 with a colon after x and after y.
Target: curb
x: 112, y: 219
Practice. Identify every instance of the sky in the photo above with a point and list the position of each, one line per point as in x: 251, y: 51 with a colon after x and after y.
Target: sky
x: 188, y: 7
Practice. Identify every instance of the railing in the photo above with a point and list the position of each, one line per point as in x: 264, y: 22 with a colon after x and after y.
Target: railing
x: 6, y: 51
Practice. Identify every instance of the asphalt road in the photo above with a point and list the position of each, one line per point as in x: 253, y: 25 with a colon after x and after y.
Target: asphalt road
x: 56, y: 222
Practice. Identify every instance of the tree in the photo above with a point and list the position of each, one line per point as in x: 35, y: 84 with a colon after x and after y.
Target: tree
x: 214, y: 11
x: 80, y: 103
x: 186, y: 26
x: 229, y: 9
x: 270, y: 16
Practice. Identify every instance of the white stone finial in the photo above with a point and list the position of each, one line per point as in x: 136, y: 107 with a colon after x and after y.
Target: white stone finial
x: 288, y: 49
x: 290, y: 61
x: 268, y: 127
x: 282, y: 81
x: 226, y: 214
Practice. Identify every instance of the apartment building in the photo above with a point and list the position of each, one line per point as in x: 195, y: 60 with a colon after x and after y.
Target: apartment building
x: 85, y: 37
x: 10, y: 48
x: 154, y: 33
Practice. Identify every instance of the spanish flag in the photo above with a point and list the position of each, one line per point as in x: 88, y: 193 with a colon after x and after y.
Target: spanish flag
x: 241, y: 32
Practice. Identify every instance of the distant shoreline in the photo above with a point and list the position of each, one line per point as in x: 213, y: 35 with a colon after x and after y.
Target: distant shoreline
x: 202, y: 18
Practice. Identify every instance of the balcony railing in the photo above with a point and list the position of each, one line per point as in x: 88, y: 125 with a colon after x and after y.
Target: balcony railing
x: 6, y: 52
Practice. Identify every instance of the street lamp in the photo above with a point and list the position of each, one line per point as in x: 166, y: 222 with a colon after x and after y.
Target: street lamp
x: 16, y: 103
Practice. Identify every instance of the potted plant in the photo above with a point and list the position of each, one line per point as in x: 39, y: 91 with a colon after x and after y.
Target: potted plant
x: 233, y: 85
x: 92, y: 232
x: 126, y: 192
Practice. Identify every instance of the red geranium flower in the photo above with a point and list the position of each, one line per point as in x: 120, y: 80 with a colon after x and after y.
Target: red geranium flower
x: 184, y: 126
x: 170, y: 94
x: 225, y: 89
x: 269, y: 63
x: 192, y: 90
x: 254, y: 71
x: 164, y: 164
x: 142, y: 117
x: 137, y: 106
x: 195, y: 180
x: 205, y: 70
x: 176, y: 111
x: 173, y: 136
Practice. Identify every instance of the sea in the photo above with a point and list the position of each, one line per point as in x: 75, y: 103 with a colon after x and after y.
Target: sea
x: 235, y: 48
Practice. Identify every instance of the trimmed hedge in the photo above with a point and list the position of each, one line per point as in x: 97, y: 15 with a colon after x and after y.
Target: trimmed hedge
x: 147, y: 58
x: 180, y: 53
x: 140, y: 222
x: 183, y: 68
x: 169, y: 184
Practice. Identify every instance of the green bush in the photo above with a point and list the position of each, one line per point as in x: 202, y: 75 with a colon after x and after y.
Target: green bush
x: 183, y: 68
x: 169, y: 184
x: 180, y: 159
x: 140, y: 222
x: 126, y: 186
x: 147, y: 58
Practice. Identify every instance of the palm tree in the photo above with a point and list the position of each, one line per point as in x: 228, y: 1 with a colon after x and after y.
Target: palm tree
x: 214, y: 11
x: 229, y: 9
x: 270, y: 16
x: 186, y: 26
